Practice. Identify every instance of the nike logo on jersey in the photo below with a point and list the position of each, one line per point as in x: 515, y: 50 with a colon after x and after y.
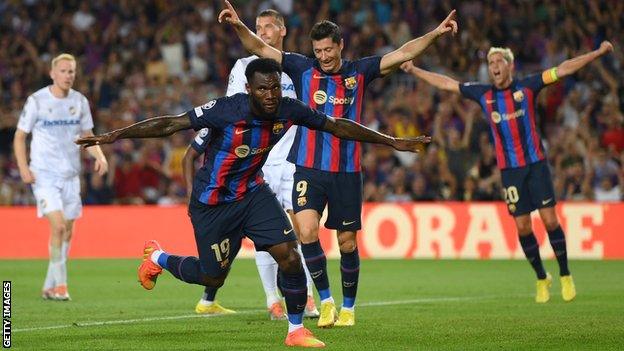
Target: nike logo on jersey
x: 318, y: 77
x: 545, y: 202
x: 240, y: 131
x: 347, y: 223
x: 490, y: 101
x: 286, y: 232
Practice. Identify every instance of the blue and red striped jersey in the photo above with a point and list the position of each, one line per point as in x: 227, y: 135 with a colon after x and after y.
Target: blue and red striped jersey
x: 512, y: 116
x: 340, y: 95
x: 240, y: 143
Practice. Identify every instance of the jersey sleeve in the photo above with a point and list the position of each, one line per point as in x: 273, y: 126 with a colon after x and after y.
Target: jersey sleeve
x: 303, y: 115
x: 237, y: 79
x: 473, y: 91
x: 28, y: 117
x: 295, y: 64
x: 538, y: 81
x: 210, y: 115
x: 201, y: 140
x: 86, y: 120
x: 369, y: 67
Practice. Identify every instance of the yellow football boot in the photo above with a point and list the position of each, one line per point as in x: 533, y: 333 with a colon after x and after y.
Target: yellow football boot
x: 328, y: 315
x: 542, y: 286
x: 568, y: 290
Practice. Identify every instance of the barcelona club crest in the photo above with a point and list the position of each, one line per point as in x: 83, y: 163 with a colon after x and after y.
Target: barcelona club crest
x: 350, y: 82
x: 302, y: 201
x: 278, y: 127
x: 518, y: 95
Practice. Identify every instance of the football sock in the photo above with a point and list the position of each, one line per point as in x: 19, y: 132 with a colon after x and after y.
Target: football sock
x: 267, y: 269
x: 309, y: 282
x: 209, y: 295
x: 294, y: 289
x: 160, y: 258
x: 185, y: 268
x: 317, y: 264
x: 558, y: 243
x: 65, y: 250
x: 49, y: 282
x: 531, y: 251
x: 350, y: 272
x: 59, y: 274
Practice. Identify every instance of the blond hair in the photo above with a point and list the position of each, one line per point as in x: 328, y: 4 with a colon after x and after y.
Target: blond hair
x: 62, y: 57
x: 506, y: 52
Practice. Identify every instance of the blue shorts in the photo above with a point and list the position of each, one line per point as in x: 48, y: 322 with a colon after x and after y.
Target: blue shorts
x: 219, y: 229
x: 528, y: 188
x: 341, y: 192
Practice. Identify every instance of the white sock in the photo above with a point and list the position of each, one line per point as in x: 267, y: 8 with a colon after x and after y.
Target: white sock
x: 267, y: 269
x: 309, y: 281
x: 65, y: 250
x: 49, y: 283
x: 63, y: 273
x: 206, y: 302
x: 293, y: 327
x: 155, y: 255
x: 348, y: 308
x: 329, y: 299
x: 59, y: 273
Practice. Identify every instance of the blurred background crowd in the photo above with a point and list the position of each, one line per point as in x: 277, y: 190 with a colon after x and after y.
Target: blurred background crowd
x: 143, y: 58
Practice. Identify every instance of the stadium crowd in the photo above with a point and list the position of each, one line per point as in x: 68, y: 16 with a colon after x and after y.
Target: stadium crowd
x: 143, y: 58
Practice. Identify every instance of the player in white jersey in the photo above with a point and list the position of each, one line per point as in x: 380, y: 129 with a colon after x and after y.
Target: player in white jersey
x: 56, y: 116
x: 278, y: 173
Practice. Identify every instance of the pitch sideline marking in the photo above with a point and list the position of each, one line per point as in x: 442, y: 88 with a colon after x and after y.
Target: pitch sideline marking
x: 189, y: 316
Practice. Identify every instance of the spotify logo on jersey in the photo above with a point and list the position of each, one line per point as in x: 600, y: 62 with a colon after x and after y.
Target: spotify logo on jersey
x: 320, y: 97
x: 242, y: 151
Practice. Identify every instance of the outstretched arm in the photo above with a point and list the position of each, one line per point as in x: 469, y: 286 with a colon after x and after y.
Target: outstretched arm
x: 347, y: 129
x: 415, y: 47
x: 572, y: 65
x: 250, y: 41
x: 149, y: 128
x: 439, y: 81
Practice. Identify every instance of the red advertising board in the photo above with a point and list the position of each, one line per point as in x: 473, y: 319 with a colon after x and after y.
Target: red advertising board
x: 410, y: 230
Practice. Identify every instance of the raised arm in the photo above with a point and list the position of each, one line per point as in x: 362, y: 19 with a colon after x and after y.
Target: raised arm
x: 415, y: 47
x: 149, y: 128
x: 439, y: 81
x: 347, y: 129
x: 572, y: 65
x: 250, y: 40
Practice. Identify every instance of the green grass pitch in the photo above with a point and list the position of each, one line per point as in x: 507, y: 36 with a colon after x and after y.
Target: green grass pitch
x: 402, y: 305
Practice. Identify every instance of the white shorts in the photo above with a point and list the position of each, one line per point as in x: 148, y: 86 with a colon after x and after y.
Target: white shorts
x: 280, y: 180
x: 57, y: 194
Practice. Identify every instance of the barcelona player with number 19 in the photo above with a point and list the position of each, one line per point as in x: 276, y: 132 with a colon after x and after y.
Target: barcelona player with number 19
x: 230, y: 198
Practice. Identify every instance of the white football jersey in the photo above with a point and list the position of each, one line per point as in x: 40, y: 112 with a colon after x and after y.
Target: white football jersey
x: 236, y: 84
x: 55, y: 125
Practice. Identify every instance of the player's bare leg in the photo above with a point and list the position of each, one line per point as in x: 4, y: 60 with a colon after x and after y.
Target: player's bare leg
x: 558, y: 244
x: 531, y: 251
x: 310, y: 311
x: 350, y: 271
x: 292, y: 279
x: 316, y: 261
x: 55, y: 285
